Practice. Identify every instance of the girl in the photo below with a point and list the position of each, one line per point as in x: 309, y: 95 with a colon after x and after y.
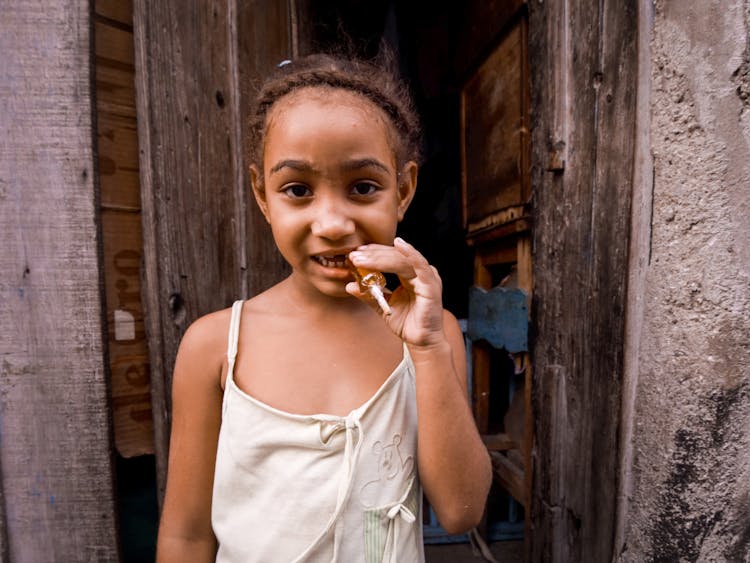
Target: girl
x: 306, y: 421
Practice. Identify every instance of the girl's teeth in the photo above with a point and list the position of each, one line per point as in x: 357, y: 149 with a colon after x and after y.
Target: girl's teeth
x: 332, y: 262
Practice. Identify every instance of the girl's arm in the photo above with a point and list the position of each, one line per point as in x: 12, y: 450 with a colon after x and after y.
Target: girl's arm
x: 185, y: 532
x: 453, y: 463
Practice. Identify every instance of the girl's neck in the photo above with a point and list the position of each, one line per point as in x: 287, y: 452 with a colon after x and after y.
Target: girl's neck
x: 305, y: 299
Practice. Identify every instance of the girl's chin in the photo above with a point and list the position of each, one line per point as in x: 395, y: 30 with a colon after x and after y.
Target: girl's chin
x: 335, y: 288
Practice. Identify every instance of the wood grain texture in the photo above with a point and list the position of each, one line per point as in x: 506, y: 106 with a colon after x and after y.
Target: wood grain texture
x: 492, y: 112
x: 120, y: 201
x: 190, y: 198
x: 195, y: 63
x: 264, y: 39
x: 581, y: 232
x: 55, y: 442
x: 120, y: 11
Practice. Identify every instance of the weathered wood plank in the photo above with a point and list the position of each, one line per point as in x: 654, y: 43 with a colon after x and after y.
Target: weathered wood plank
x: 117, y: 141
x: 265, y: 37
x: 581, y: 233
x: 120, y: 200
x: 192, y: 202
x: 120, y: 11
x: 509, y: 475
x: 492, y: 111
x: 127, y: 345
x: 194, y: 66
x: 55, y: 443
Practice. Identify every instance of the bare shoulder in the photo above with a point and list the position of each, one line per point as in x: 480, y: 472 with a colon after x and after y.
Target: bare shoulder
x: 203, y: 347
x: 208, y: 333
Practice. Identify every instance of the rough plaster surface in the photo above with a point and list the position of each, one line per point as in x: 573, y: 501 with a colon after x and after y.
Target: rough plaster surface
x: 690, y: 494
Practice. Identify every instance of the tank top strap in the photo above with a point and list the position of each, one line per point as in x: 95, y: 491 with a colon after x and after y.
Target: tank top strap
x: 233, y: 339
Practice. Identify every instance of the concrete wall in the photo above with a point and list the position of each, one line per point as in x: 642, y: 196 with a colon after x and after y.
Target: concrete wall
x: 685, y: 490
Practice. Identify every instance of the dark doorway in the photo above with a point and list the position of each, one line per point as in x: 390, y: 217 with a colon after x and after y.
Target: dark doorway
x: 438, y: 48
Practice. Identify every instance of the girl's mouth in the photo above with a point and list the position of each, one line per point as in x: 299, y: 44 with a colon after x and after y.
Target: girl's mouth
x: 337, y: 261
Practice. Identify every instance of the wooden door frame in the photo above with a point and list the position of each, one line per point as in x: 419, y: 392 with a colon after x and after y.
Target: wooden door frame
x: 583, y: 84
x: 583, y: 76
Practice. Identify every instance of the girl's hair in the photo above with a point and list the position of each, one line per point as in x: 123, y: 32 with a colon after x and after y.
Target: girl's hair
x: 372, y: 80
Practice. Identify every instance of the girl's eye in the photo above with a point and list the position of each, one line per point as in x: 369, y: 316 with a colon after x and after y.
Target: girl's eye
x: 364, y: 189
x: 297, y: 191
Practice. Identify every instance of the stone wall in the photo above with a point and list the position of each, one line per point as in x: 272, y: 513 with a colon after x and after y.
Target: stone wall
x: 686, y: 484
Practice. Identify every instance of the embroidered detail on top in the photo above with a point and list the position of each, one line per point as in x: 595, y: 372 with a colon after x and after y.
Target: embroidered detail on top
x: 390, y: 464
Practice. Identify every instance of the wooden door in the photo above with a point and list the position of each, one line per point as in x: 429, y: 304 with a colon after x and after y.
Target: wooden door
x: 205, y: 244
x: 583, y: 83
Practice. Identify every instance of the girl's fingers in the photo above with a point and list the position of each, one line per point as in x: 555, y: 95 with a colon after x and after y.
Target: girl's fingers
x: 401, y: 259
x: 354, y: 289
x: 417, y: 260
x: 383, y: 259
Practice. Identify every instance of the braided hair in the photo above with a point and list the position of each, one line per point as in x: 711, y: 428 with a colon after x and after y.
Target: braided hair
x: 371, y: 80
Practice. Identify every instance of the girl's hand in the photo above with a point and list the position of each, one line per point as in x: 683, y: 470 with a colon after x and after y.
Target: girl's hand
x: 417, y: 304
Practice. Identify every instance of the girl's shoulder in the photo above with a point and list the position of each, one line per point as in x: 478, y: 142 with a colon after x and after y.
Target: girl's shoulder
x: 209, y: 334
x: 204, y: 343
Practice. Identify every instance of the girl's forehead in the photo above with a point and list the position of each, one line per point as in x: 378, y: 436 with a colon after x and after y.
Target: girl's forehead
x: 326, y: 97
x: 325, y: 103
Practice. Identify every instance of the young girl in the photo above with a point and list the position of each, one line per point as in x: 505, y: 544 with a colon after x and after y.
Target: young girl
x: 307, y: 421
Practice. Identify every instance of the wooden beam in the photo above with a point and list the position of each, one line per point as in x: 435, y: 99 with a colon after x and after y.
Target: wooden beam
x: 583, y: 89
x: 499, y: 442
x: 510, y: 476
x: 55, y: 450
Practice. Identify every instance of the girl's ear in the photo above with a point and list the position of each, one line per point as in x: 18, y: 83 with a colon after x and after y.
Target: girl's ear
x: 258, y: 191
x: 407, y: 186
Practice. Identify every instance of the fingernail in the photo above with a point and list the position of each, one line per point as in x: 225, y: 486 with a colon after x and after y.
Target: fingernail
x: 399, y: 240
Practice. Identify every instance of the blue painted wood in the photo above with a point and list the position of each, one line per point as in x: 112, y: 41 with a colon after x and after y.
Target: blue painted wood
x: 500, y: 316
x: 510, y: 529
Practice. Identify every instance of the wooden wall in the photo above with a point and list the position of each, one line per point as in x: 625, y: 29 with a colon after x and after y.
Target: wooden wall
x: 122, y: 240
x: 56, y: 498
x: 205, y: 245
x: 583, y: 114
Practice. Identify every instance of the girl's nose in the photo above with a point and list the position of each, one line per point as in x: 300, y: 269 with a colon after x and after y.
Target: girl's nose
x: 331, y: 221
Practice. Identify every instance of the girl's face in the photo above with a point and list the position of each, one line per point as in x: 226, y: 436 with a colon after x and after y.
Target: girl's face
x: 330, y: 182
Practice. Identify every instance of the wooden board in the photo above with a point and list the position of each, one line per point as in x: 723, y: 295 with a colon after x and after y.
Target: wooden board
x: 264, y: 39
x: 55, y: 450
x: 117, y: 151
x: 128, y: 349
x: 120, y: 11
x: 115, y: 70
x: 494, y: 139
x: 204, y: 245
x: 583, y: 103
x: 117, y: 141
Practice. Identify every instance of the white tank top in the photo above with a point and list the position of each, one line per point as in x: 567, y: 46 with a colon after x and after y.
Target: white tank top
x: 318, y: 488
